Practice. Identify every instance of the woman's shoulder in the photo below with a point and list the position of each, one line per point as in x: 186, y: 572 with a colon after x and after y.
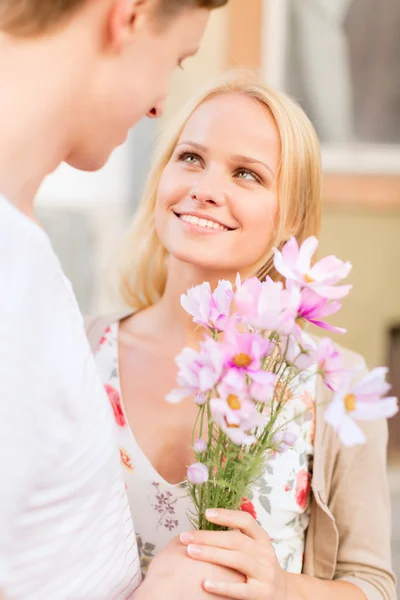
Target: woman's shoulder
x: 95, y: 326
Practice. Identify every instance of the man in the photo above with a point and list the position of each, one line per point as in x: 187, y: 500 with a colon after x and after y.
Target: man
x: 75, y: 75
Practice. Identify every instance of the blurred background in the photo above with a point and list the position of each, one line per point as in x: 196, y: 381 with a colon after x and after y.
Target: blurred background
x: 341, y: 60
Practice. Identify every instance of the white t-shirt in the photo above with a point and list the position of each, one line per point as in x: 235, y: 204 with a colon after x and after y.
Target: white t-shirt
x: 65, y: 526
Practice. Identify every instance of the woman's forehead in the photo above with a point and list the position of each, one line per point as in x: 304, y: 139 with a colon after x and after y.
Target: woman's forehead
x: 233, y: 122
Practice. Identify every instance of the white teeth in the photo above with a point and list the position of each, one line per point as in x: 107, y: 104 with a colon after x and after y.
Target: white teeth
x: 203, y: 222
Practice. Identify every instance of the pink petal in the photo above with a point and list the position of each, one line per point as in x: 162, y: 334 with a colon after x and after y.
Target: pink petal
x: 331, y: 292
x: 307, y: 250
x: 239, y: 437
x: 327, y: 326
x: 207, y: 379
x: 290, y: 252
x: 373, y: 384
x: 330, y: 267
x: 264, y: 377
x: 221, y: 296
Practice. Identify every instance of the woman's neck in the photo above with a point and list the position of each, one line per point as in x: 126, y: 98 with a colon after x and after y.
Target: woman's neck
x: 171, y: 319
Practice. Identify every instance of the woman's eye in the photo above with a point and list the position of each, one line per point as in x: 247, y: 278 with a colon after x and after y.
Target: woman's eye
x: 189, y: 158
x: 247, y: 175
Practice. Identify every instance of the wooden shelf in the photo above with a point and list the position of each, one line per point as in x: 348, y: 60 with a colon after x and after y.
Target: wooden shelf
x: 370, y: 191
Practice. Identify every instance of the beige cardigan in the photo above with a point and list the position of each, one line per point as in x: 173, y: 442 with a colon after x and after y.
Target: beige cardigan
x: 348, y: 536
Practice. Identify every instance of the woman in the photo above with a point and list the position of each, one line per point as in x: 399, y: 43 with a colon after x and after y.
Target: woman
x: 237, y: 173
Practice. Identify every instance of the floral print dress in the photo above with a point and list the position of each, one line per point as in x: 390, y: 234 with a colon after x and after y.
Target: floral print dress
x: 279, y: 500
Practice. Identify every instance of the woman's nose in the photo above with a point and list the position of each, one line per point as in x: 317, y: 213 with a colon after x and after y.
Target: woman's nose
x: 207, y: 195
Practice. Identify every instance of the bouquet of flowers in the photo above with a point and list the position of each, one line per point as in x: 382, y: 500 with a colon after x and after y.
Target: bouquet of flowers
x: 255, y: 349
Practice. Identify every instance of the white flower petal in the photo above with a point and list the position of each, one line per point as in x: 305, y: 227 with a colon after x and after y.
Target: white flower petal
x: 381, y: 409
x: 177, y: 395
x: 350, y: 433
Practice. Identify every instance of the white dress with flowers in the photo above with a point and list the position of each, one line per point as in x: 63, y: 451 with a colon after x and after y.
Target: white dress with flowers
x: 279, y: 501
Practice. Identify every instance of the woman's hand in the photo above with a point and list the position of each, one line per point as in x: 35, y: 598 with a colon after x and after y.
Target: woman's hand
x: 247, y: 549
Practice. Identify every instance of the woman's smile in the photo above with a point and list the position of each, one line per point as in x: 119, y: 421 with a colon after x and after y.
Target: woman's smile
x: 203, y: 224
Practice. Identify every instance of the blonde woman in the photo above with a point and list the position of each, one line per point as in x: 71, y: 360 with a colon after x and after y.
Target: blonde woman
x: 237, y: 173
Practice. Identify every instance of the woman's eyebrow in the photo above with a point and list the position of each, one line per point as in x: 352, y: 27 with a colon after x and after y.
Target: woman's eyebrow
x: 234, y: 157
x: 249, y: 160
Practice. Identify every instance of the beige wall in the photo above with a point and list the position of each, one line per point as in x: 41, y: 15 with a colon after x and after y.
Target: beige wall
x: 370, y: 239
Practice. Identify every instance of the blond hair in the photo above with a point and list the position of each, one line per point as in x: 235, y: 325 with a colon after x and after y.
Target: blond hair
x: 142, y: 268
x: 33, y: 17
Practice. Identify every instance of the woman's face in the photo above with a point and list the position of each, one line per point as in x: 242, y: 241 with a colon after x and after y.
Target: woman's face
x: 217, y: 199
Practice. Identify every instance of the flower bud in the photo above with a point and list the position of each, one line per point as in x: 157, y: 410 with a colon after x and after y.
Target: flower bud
x: 200, y: 446
x: 197, y: 474
x: 200, y: 399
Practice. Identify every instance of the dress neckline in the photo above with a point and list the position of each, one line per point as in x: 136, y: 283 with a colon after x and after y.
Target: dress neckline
x: 114, y: 334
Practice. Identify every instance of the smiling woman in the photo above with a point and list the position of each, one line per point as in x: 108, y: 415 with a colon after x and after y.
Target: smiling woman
x: 237, y: 173
x: 227, y: 157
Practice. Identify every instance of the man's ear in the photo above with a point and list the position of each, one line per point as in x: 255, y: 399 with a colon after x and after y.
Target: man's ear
x: 125, y: 17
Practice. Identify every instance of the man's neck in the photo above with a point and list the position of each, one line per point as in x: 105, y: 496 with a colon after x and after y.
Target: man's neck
x: 34, y: 118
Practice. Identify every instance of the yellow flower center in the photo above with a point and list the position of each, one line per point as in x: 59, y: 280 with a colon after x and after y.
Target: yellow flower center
x: 350, y: 402
x: 242, y: 360
x: 308, y: 278
x: 233, y: 402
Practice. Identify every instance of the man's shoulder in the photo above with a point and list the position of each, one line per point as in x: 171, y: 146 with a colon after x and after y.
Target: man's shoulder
x: 18, y: 232
x: 26, y: 258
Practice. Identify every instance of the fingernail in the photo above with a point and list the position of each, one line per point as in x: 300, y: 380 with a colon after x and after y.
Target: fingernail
x: 194, y: 551
x: 186, y: 537
x: 209, y: 585
x: 211, y: 513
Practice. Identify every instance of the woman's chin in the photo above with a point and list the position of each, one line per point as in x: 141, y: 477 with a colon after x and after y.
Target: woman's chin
x: 204, y: 263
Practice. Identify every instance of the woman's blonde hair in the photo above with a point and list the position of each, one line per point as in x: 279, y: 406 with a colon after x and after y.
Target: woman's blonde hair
x: 142, y: 264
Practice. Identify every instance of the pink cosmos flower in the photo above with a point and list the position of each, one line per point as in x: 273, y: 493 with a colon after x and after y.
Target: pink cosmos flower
x: 314, y: 308
x: 197, y: 474
x: 258, y: 385
x: 361, y: 401
x: 236, y: 415
x: 247, y: 296
x: 294, y: 264
x: 262, y: 386
x: 198, y: 371
x: 273, y: 308
x: 298, y: 352
x: 244, y: 352
x: 330, y: 364
x: 209, y: 309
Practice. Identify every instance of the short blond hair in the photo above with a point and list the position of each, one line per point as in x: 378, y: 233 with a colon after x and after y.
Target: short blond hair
x: 32, y: 17
x: 141, y: 260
